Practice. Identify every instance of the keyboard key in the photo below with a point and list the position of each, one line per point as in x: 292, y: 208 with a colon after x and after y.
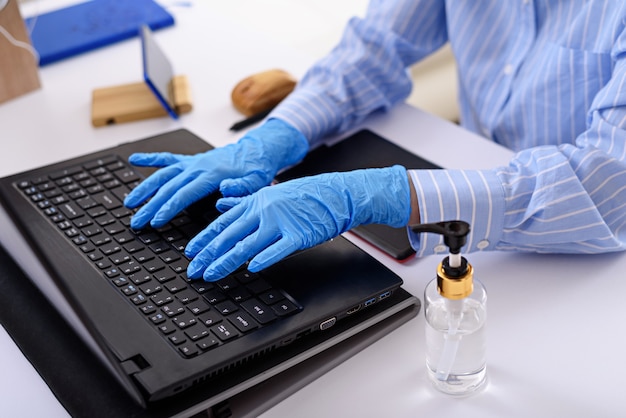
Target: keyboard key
x: 188, y: 350
x: 173, y: 309
x: 154, y: 265
x: 259, y: 311
x: 71, y: 210
x: 150, y: 288
x: 210, y: 318
x: 107, y: 200
x: 176, y: 285
x: 148, y: 309
x: 227, y: 307
x: 161, y: 299
x: 167, y: 328
x: 91, y: 231
x: 164, y: 276
x: 198, y: 306
x: 177, y: 338
x: 140, y: 278
x: 184, y: 320
x: 243, y: 322
x: 284, y: 308
x: 227, y: 283
x: 271, y: 296
x: 258, y: 286
x: 207, y: 343
x: 201, y: 286
x: 224, y: 331
x: 186, y: 296
x: 197, y: 332
x: 214, y: 296
x: 239, y: 294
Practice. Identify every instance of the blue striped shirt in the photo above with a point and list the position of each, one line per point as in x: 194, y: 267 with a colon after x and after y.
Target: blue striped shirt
x: 544, y: 78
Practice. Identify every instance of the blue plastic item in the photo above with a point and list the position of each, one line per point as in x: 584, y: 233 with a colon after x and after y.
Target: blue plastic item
x: 87, y: 26
x: 235, y: 169
x: 276, y: 221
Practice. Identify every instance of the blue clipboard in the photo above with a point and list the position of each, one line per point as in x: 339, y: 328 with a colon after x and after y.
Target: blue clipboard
x: 87, y: 26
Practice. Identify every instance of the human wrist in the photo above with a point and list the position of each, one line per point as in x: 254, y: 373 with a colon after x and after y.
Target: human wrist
x: 381, y: 196
x: 283, y: 143
x: 414, y: 217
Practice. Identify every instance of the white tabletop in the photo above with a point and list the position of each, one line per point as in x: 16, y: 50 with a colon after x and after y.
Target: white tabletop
x: 556, y: 328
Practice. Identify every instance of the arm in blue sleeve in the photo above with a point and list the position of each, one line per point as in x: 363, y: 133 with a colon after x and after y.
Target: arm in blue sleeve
x: 367, y: 71
x: 568, y: 198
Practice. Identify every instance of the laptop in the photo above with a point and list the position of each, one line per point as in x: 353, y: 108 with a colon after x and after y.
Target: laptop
x: 160, y: 335
x: 374, y: 151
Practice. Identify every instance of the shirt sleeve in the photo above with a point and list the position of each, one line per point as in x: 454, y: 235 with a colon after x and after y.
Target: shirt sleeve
x: 568, y: 198
x: 367, y: 71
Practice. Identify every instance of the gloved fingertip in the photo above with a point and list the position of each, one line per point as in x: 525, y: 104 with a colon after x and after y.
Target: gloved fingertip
x: 138, y: 156
x: 192, y: 250
x: 254, y: 267
x: 131, y: 202
x: 194, y: 270
x: 138, y: 221
x: 211, y: 275
x: 226, y: 203
x: 229, y: 188
x: 158, y: 222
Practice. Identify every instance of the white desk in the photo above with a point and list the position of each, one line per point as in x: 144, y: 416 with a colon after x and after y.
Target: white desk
x: 556, y: 324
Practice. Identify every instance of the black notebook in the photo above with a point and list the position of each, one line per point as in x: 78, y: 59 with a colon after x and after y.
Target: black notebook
x: 126, y: 292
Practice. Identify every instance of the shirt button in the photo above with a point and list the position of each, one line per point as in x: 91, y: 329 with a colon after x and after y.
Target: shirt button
x: 508, y: 69
x: 440, y: 248
x: 482, y: 244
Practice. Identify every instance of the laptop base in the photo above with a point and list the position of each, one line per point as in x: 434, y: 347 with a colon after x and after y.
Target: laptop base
x: 86, y: 388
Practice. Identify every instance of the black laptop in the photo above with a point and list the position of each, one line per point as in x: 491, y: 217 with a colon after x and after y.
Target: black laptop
x: 126, y: 292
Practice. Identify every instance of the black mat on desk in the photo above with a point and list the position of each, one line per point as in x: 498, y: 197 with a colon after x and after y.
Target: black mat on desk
x: 31, y: 321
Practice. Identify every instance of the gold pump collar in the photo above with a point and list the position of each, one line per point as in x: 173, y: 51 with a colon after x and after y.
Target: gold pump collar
x: 455, y: 288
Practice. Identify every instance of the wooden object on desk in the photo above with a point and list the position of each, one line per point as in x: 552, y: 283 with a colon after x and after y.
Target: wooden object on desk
x: 135, y: 101
x: 18, y: 67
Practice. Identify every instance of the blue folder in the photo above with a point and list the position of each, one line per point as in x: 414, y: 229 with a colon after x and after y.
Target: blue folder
x: 86, y: 26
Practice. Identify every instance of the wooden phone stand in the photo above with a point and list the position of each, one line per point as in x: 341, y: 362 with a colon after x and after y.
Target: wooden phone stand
x: 131, y: 102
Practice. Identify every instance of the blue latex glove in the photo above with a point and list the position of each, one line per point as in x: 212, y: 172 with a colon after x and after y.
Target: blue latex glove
x: 237, y: 170
x: 278, y: 220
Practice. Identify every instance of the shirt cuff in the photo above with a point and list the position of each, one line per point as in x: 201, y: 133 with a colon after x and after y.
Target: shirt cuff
x: 473, y: 196
x: 310, y: 112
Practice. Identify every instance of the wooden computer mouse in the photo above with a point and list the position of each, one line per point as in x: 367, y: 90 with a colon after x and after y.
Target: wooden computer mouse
x: 262, y: 91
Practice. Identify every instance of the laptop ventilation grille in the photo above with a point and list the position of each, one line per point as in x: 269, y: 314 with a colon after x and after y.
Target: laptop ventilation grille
x: 232, y: 366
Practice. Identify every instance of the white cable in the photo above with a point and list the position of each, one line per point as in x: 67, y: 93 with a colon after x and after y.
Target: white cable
x: 20, y: 44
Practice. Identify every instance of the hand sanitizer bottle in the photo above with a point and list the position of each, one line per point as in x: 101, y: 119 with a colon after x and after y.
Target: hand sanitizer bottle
x: 455, y: 311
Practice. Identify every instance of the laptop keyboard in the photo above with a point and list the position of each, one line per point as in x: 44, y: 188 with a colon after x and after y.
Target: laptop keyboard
x: 148, y: 267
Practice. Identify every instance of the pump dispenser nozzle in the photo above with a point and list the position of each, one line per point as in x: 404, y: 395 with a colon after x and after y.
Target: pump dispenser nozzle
x: 454, y: 233
x: 454, y: 274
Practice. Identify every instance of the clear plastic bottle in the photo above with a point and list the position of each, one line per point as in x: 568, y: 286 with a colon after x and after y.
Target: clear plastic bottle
x: 455, y: 307
x: 456, y: 340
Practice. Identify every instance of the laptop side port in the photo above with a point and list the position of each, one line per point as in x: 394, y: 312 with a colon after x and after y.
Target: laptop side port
x: 328, y: 323
x: 354, y: 309
x: 384, y: 295
x: 369, y: 302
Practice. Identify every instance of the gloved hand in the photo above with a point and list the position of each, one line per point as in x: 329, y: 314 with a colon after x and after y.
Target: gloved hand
x: 278, y: 220
x: 237, y: 169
